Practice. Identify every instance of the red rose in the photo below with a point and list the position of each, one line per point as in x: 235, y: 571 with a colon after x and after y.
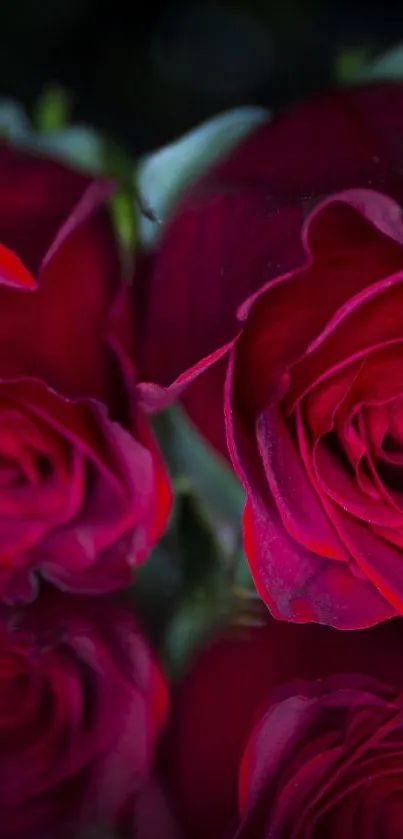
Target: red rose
x: 306, y: 212
x: 284, y: 731
x: 314, y: 418
x: 81, y: 703
x: 83, y: 492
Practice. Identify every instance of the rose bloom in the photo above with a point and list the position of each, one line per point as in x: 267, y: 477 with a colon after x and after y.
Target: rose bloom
x: 82, y: 701
x: 83, y: 491
x: 290, y: 732
x: 286, y: 263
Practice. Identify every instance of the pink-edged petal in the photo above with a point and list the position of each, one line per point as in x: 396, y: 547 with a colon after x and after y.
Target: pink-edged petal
x: 297, y: 503
x: 113, y: 531
x: 331, y: 405
x: 308, y: 752
x: 299, y: 586
x: 362, y: 542
x: 378, y: 561
x: 125, y: 496
x: 320, y: 405
x: 153, y: 397
x: 342, y: 487
x: 294, y: 582
x: 75, y: 421
x: 379, y: 381
x: 361, y: 256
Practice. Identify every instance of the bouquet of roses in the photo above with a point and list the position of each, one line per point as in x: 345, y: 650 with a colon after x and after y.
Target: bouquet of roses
x: 201, y: 483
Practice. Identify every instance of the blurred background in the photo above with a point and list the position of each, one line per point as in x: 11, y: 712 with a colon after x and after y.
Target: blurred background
x: 145, y: 72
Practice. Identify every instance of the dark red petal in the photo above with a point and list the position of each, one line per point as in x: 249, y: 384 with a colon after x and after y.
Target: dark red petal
x: 296, y: 500
x: 69, y: 310
x: 348, y: 277
x: 226, y: 691
x: 203, y: 402
x: 124, y: 505
x: 161, y: 497
x: 378, y: 560
x: 300, y: 586
x: 119, y: 523
x: 309, y: 739
x: 239, y: 227
x: 296, y: 583
x: 200, y: 275
x: 153, y: 817
x: 37, y: 195
x: 90, y: 688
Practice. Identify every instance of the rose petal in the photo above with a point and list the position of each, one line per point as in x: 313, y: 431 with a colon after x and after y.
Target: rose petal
x: 77, y: 286
x: 296, y: 501
x: 36, y: 197
x: 243, y: 219
x: 294, y: 582
x: 360, y: 256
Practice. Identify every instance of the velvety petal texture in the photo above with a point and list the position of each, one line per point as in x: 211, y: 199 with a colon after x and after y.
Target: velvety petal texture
x: 83, y: 490
x: 289, y: 257
x: 286, y: 732
x: 313, y: 392
x: 82, y: 701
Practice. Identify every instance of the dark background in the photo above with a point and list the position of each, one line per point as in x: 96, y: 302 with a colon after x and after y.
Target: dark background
x: 145, y: 73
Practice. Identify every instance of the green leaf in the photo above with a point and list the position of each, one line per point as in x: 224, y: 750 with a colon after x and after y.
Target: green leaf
x: 14, y: 123
x: 157, y: 590
x: 188, y: 630
x: 349, y: 63
x: 207, y: 475
x: 124, y: 220
x: 53, y: 109
x: 164, y: 175
x: 388, y: 66
x: 76, y: 145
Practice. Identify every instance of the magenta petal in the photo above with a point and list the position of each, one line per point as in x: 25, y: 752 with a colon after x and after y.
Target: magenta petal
x: 341, y: 487
x: 377, y: 559
x: 295, y: 583
x: 295, y: 338
x: 153, y: 397
x: 298, y: 741
x: 299, y: 507
x: 298, y: 585
x: 116, y: 527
